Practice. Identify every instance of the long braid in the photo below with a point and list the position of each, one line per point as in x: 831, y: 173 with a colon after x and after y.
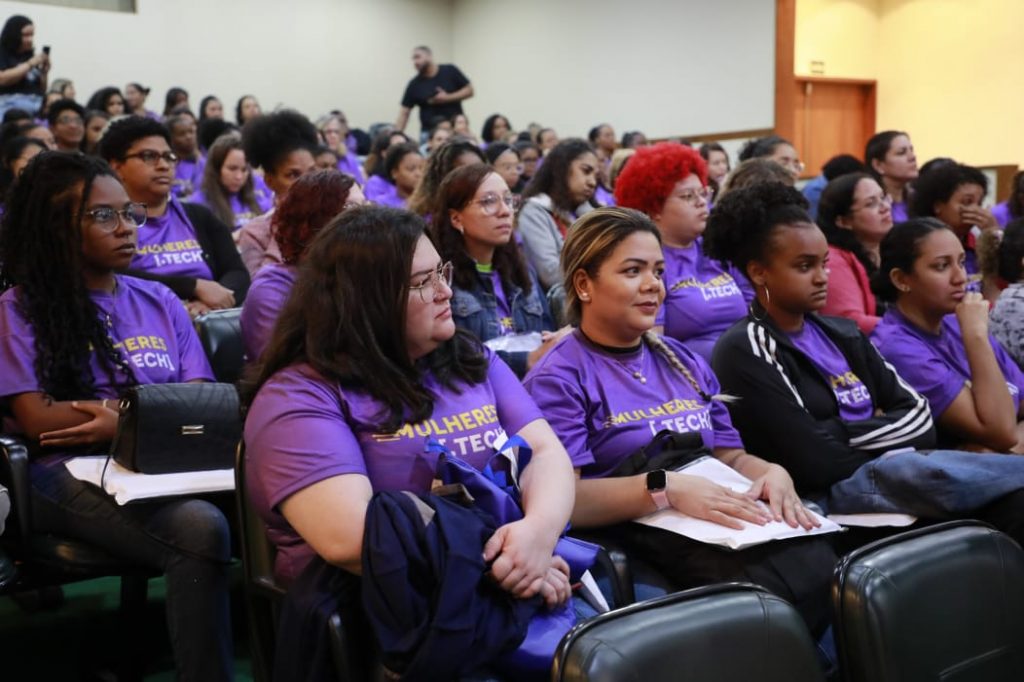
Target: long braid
x: 658, y: 344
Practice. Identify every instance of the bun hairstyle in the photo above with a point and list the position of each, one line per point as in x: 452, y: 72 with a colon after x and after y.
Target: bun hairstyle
x: 739, y: 229
x: 589, y: 243
x: 899, y: 250
x: 269, y: 139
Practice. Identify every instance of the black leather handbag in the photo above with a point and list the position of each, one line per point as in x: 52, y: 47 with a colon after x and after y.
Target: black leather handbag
x: 171, y: 428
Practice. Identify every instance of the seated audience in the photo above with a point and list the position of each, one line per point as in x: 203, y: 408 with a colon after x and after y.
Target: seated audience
x: 246, y: 109
x: 496, y: 129
x: 460, y: 127
x: 633, y: 139
x: 188, y: 173
x: 135, y: 97
x: 449, y: 156
x: 182, y: 245
x: 282, y: 144
x: 325, y: 158
x: 403, y: 169
x: 936, y: 335
x: 96, y: 122
x: 67, y: 123
x: 612, y: 367
x: 954, y: 193
x: 702, y: 297
x: 373, y: 167
x: 335, y: 133
x: 68, y: 333
x: 110, y: 101
x: 210, y: 107
x: 227, y: 188
x: 561, y: 191
x: 776, y: 149
x: 504, y: 158
x: 890, y: 156
x: 1007, y: 314
x: 854, y: 213
x: 438, y: 134
x: 344, y: 396
x: 494, y: 294
x: 529, y: 156
x: 312, y: 202
x: 718, y: 165
x: 175, y: 99
x: 546, y: 139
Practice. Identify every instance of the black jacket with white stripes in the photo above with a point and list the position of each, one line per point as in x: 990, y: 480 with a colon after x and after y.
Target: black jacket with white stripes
x: 787, y: 412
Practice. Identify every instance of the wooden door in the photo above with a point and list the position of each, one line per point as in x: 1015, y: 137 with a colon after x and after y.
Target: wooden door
x: 831, y: 116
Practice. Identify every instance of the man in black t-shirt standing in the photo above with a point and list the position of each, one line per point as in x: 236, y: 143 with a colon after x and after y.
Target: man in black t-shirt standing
x: 437, y: 89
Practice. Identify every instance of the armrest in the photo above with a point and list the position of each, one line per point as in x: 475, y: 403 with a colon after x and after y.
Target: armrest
x: 14, y: 475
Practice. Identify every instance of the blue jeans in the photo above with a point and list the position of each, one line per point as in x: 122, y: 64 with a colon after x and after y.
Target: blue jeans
x: 187, y: 539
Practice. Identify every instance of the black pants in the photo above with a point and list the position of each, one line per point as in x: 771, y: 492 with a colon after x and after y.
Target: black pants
x: 187, y: 539
x: 798, y: 570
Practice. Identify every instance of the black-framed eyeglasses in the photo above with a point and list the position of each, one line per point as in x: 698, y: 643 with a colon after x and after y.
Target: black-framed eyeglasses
x: 150, y: 157
x: 488, y: 203
x: 433, y: 281
x: 107, y: 218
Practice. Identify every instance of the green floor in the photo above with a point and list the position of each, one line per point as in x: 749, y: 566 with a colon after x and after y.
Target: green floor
x: 78, y: 638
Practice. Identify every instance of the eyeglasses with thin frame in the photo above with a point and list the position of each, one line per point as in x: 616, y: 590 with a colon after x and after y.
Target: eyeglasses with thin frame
x: 691, y: 196
x: 150, y: 157
x: 488, y: 203
x: 874, y: 203
x: 432, y: 282
x: 70, y: 119
x: 107, y: 218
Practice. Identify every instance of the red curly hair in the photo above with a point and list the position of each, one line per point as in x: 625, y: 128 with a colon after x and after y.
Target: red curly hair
x: 309, y: 205
x: 651, y: 174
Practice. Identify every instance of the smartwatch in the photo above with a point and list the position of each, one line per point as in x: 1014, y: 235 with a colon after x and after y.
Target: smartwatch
x: 657, y: 488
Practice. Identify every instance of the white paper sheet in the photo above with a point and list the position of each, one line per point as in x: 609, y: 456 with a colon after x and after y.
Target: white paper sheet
x: 716, y: 534
x: 126, y: 486
x: 873, y: 520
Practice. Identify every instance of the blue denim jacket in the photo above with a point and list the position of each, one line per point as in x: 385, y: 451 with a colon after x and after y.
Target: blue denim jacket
x: 476, y: 310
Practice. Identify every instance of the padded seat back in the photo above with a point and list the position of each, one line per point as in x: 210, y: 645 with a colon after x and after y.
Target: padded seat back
x: 220, y: 332
x: 732, y: 631
x: 940, y: 603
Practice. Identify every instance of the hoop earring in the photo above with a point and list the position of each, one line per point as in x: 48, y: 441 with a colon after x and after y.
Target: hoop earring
x: 768, y: 299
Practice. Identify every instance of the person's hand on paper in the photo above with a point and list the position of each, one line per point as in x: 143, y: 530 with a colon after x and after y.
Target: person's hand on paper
x: 99, y: 429
x: 776, y: 488
x: 700, y: 498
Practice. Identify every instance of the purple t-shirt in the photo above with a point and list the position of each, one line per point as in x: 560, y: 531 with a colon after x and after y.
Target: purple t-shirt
x: 149, y: 326
x: 936, y: 365
x: 168, y: 246
x: 1001, y: 212
x: 855, y: 403
x: 702, y: 298
x: 267, y: 295
x: 302, y: 429
x: 242, y: 213
x: 604, y: 197
x: 899, y: 212
x: 603, y: 413
x: 380, y: 191
x: 188, y: 176
x: 349, y: 165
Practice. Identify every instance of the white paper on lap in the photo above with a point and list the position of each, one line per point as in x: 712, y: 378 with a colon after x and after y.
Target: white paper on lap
x: 127, y: 486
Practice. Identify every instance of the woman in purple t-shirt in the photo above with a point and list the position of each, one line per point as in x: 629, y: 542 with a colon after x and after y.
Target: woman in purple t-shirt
x: 890, y: 157
x: 937, y: 337
x: 73, y: 336
x: 364, y: 367
x: 403, y: 168
x: 668, y: 182
x: 608, y: 387
x: 228, y: 189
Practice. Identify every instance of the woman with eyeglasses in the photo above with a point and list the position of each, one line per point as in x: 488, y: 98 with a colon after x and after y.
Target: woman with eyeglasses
x: 495, y: 295
x: 365, y: 364
x: 855, y: 214
x: 335, y: 133
x: 306, y: 208
x: 182, y: 245
x: 74, y: 334
x: 703, y: 297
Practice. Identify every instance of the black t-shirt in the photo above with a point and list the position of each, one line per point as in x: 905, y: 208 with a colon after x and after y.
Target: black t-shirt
x: 421, y: 88
x: 31, y: 84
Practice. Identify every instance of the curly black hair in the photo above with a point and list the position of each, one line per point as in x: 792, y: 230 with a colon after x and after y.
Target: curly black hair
x: 938, y: 183
x: 552, y: 178
x: 740, y: 228
x: 41, y: 251
x: 440, y: 163
x: 270, y: 138
x: 125, y: 132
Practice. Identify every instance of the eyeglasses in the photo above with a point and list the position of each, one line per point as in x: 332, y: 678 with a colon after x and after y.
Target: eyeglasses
x: 433, y: 282
x: 694, y: 196
x: 70, y: 120
x: 107, y: 218
x: 150, y: 157
x: 489, y: 202
x: 874, y: 203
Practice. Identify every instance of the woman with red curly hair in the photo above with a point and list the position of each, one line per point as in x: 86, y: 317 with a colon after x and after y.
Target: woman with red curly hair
x: 668, y: 182
x: 309, y: 205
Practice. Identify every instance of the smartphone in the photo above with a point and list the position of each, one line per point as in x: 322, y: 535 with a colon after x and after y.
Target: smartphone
x: 46, y: 50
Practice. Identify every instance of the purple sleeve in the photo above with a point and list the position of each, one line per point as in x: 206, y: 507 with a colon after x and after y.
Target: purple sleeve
x: 920, y: 366
x: 192, y: 362
x: 515, y: 407
x: 17, y: 350
x: 296, y: 435
x: 563, y: 404
x: 260, y: 311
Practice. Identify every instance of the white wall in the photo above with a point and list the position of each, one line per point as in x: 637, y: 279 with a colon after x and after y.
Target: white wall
x: 313, y: 55
x: 666, y: 67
